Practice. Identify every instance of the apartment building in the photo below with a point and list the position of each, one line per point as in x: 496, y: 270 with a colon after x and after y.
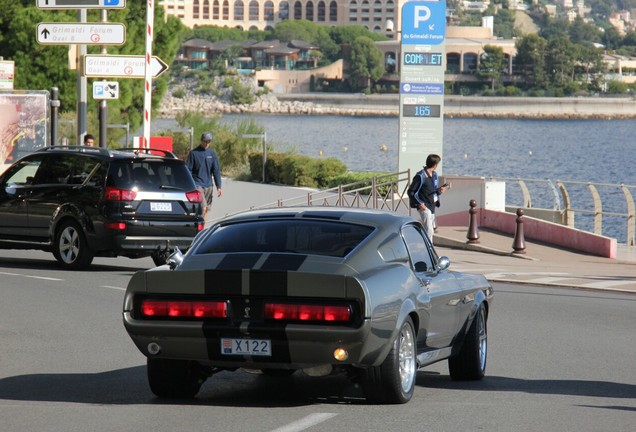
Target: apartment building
x: 264, y: 14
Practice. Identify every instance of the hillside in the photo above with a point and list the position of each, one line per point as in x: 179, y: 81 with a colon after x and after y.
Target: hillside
x: 524, y: 23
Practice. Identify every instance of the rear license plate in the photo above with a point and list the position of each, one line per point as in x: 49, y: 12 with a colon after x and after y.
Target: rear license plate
x: 254, y: 347
x: 160, y: 206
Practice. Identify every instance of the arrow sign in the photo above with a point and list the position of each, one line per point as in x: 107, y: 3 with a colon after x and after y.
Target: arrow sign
x: 81, y: 4
x: 105, y: 90
x: 81, y: 33
x: 121, y: 66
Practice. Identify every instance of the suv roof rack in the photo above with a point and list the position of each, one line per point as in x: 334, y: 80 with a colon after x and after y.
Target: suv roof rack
x: 77, y: 149
x: 150, y: 151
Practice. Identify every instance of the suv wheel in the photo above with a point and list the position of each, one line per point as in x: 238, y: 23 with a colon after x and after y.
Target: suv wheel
x: 71, y: 248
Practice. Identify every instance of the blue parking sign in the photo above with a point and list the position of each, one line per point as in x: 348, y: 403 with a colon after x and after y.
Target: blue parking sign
x: 424, y: 22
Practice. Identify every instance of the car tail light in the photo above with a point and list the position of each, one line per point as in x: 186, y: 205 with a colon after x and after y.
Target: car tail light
x: 183, y: 309
x: 116, y: 226
x: 116, y: 194
x: 195, y: 196
x: 200, y: 226
x: 307, y: 312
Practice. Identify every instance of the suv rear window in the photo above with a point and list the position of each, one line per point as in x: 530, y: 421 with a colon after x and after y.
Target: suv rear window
x: 150, y: 175
x: 298, y: 236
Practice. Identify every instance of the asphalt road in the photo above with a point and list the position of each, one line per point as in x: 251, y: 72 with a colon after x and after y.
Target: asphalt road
x: 559, y: 360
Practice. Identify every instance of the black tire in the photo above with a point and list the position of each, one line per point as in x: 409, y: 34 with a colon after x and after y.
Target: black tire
x: 70, y: 246
x: 393, y: 382
x: 470, y: 362
x: 180, y: 379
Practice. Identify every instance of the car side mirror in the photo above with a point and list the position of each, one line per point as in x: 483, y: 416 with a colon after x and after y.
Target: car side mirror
x: 175, y: 259
x: 443, y: 263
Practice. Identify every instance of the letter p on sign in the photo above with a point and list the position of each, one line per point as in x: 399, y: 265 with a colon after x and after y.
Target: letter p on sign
x: 421, y: 14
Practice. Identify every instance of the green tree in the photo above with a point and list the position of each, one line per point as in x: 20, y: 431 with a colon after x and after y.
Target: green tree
x: 40, y: 67
x: 560, y: 61
x: 530, y: 60
x: 580, y: 32
x: 492, y: 65
x: 307, y: 31
x: 366, y: 64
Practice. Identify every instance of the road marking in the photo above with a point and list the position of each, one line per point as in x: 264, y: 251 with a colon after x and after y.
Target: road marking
x: 114, y: 287
x: 32, y: 277
x: 305, y: 423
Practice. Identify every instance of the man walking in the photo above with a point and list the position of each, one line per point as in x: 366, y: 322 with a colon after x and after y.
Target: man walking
x: 203, y: 163
x: 424, y: 193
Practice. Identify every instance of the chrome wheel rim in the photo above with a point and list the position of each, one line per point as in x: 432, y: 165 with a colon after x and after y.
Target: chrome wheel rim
x: 69, y: 245
x: 406, y: 352
x: 483, y: 338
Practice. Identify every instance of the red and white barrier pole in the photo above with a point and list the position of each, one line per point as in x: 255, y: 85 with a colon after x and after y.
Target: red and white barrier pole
x: 150, y: 19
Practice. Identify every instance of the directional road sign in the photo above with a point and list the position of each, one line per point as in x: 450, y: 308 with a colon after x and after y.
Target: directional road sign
x: 81, y: 4
x: 81, y: 33
x: 105, y: 90
x: 121, y: 66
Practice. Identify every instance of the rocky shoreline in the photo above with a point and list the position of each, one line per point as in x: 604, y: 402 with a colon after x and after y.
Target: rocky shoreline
x: 388, y: 106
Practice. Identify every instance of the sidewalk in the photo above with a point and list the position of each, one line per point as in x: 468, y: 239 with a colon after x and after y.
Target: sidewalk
x: 541, y: 264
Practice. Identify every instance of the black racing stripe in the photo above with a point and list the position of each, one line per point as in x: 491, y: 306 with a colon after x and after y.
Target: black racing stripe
x: 223, y: 282
x: 239, y: 261
x: 268, y: 283
x: 283, y: 262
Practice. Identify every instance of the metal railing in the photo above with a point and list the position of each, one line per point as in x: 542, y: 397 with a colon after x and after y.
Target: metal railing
x: 386, y: 192
x: 608, y: 200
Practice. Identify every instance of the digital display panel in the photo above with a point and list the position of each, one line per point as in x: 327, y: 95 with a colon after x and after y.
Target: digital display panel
x: 421, y: 110
x: 422, y: 59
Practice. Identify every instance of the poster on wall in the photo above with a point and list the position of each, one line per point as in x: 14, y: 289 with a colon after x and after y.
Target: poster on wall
x: 24, y: 125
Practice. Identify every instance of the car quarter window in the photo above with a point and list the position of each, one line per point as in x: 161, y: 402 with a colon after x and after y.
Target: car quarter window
x: 299, y: 236
x: 419, y: 250
x: 55, y: 169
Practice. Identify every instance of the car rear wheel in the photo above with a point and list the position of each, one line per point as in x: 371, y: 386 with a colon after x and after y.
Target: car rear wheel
x: 394, y: 380
x: 71, y: 248
x: 174, y: 378
x: 470, y: 362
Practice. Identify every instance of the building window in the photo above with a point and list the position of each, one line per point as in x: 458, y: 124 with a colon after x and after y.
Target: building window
x: 238, y: 10
x: 215, y: 10
x: 283, y: 10
x: 321, y: 11
x: 269, y: 11
x: 253, y: 10
x: 309, y: 11
x: 298, y: 11
x: 226, y: 10
x: 195, y: 9
x: 206, y: 9
x: 333, y: 11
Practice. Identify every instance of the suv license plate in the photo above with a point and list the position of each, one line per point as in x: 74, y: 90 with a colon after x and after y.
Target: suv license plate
x: 254, y: 347
x: 159, y: 206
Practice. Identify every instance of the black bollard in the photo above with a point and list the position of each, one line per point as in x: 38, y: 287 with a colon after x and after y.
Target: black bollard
x: 519, y: 243
x: 473, y: 232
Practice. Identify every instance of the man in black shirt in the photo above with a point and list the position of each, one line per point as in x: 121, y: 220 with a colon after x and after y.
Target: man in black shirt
x: 424, y: 193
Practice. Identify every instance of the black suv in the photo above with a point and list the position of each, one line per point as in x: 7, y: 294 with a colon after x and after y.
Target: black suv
x: 80, y: 202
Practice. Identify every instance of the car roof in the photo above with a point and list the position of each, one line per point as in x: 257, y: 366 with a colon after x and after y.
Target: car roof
x: 341, y: 214
x: 111, y: 154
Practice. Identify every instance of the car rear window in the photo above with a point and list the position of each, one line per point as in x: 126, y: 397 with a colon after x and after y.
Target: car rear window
x: 150, y: 175
x: 335, y: 239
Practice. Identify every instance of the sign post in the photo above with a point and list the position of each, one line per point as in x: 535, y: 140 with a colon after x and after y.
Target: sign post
x: 422, y: 67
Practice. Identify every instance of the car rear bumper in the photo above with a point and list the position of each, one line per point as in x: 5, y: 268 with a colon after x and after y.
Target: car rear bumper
x: 292, y: 346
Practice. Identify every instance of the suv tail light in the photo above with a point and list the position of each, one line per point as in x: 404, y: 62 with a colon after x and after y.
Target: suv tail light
x: 195, y: 196
x: 183, y: 309
x: 307, y: 312
x: 116, y: 194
